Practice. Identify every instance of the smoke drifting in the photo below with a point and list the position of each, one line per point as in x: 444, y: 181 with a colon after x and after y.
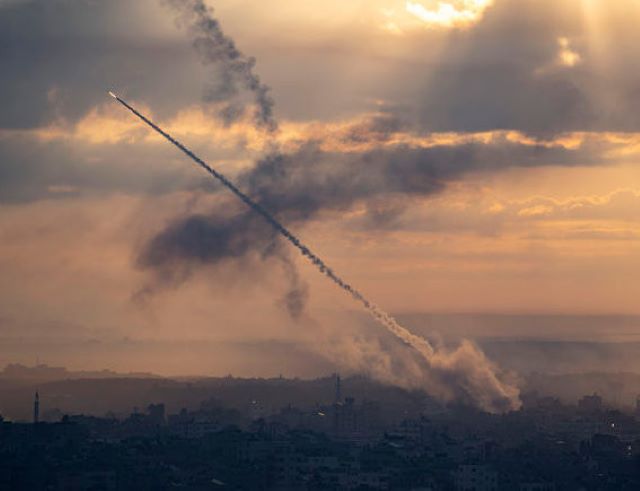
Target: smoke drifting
x: 201, y: 240
x: 466, y: 369
x: 234, y: 69
x: 232, y: 76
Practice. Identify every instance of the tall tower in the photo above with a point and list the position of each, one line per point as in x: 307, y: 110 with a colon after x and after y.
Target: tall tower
x: 338, y: 389
x: 36, y: 408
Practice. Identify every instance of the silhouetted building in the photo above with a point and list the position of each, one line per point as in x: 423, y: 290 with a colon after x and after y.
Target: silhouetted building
x: 36, y: 408
x: 475, y: 478
x: 382, y: 440
x: 355, y: 422
x: 591, y: 404
x: 156, y: 414
x: 537, y: 486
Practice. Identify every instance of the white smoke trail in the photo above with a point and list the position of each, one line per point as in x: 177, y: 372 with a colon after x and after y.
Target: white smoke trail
x: 475, y: 383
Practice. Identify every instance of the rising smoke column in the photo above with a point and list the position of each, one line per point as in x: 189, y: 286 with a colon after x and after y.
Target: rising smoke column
x: 231, y: 79
x: 481, y: 384
x: 236, y: 70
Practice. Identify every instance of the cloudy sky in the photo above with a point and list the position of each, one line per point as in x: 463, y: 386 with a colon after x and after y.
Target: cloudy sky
x: 452, y: 156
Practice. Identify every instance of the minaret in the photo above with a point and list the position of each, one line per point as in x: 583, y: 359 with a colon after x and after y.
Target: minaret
x: 338, y: 389
x: 36, y: 409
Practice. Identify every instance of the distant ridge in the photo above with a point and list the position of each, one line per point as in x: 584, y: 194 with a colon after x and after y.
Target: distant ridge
x: 46, y: 373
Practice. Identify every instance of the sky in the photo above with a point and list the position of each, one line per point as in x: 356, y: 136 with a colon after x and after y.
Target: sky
x: 461, y: 156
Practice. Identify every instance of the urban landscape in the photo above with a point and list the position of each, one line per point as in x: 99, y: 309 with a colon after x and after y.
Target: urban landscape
x: 387, y: 438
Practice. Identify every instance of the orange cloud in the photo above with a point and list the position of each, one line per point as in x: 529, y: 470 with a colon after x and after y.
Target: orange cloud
x: 107, y: 124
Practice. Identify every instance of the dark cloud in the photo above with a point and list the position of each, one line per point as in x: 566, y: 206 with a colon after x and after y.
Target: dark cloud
x: 202, y: 239
x: 299, y: 187
x: 59, y: 57
x: 503, y: 73
x: 32, y: 169
x: 62, y: 55
x: 499, y: 74
x: 199, y: 241
x: 506, y: 96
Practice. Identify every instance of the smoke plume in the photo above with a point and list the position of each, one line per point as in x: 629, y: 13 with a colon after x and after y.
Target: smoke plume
x: 212, y: 239
x: 234, y: 70
x: 232, y: 75
x: 466, y: 369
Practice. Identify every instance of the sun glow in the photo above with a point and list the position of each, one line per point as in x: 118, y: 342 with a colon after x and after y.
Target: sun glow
x: 567, y: 56
x: 449, y: 14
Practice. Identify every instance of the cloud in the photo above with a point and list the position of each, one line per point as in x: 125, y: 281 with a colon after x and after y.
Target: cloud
x: 33, y: 169
x: 364, y: 158
x: 63, y: 55
x: 301, y: 185
x: 614, y: 207
x: 346, y: 161
x: 535, y: 67
x: 566, y: 55
x: 448, y: 14
x: 467, y: 210
x: 606, y: 218
x: 203, y: 241
x: 505, y: 72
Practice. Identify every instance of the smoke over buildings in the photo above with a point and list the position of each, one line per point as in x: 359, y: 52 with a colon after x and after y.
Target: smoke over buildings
x: 474, y: 379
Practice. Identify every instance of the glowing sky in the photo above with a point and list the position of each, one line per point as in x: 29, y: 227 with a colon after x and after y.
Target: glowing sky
x: 468, y: 155
x: 450, y: 15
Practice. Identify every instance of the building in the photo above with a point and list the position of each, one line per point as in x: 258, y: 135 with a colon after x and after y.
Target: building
x: 537, y: 486
x: 475, y: 478
x: 36, y: 408
x: 156, y: 414
x: 590, y: 404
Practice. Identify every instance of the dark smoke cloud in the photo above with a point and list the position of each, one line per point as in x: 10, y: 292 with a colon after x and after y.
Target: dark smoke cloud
x: 222, y: 242
x: 461, y: 374
x: 233, y: 71
x: 211, y: 240
x: 200, y: 241
x: 300, y: 186
x: 295, y: 299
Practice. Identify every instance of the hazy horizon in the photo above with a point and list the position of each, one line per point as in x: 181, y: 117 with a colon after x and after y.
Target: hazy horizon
x: 546, y: 343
